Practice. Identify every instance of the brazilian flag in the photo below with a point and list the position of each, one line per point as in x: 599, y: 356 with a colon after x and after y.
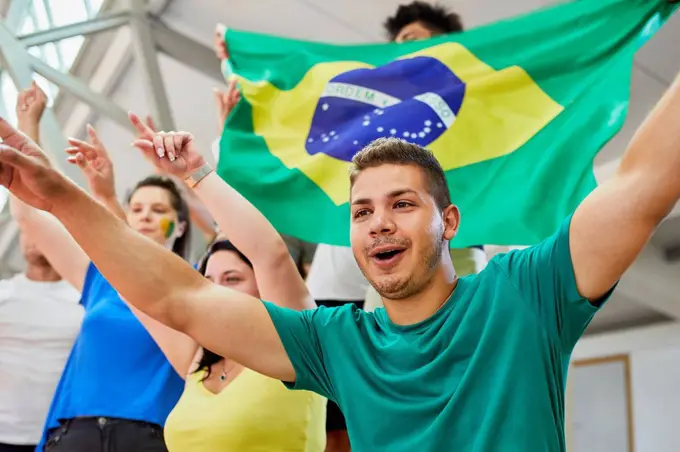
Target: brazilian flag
x: 515, y: 113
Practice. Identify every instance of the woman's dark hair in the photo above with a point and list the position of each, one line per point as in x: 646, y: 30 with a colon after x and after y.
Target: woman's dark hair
x: 182, y: 245
x: 435, y: 17
x: 209, y: 358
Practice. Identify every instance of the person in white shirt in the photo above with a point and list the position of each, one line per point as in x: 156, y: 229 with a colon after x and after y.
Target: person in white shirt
x: 40, y: 316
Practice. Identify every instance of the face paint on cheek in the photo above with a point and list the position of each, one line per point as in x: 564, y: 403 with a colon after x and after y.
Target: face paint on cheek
x: 168, y: 227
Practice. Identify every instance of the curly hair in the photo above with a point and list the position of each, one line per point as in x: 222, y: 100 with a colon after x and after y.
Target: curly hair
x: 435, y: 17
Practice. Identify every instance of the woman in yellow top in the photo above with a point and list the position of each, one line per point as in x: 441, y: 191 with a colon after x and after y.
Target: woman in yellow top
x: 224, y: 407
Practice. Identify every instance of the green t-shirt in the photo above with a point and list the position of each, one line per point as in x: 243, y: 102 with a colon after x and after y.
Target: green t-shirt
x: 487, y: 372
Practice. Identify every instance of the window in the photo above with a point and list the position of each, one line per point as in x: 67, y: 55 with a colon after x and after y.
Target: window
x: 41, y: 15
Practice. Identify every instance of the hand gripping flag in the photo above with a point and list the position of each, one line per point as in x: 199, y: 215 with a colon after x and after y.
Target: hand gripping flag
x: 515, y: 112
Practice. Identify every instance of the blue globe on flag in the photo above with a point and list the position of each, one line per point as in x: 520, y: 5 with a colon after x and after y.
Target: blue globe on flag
x: 415, y: 99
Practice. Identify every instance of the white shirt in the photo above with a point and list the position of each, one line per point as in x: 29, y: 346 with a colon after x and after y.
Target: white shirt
x: 39, y: 322
x: 335, y: 275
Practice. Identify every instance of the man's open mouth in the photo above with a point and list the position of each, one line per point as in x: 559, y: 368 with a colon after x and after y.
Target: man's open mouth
x: 386, y: 252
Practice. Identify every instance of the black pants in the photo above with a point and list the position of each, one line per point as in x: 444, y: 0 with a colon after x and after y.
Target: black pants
x: 15, y: 448
x: 106, y: 435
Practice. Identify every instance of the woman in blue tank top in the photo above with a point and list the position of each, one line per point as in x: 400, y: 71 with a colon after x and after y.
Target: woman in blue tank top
x: 117, y: 388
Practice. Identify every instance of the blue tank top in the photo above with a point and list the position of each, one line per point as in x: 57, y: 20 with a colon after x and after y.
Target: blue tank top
x: 115, y: 368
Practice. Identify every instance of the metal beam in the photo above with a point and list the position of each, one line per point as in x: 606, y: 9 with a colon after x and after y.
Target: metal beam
x: 145, y: 54
x: 187, y: 51
x: 80, y: 90
x: 17, y: 12
x: 101, y: 23
x: 19, y: 69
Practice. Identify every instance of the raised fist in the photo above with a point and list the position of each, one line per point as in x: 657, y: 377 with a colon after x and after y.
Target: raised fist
x: 31, y: 104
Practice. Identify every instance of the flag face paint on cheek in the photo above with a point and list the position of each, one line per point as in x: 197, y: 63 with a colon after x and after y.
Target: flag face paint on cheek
x: 168, y: 227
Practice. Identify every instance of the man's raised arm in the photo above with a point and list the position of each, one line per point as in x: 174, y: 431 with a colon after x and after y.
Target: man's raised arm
x: 613, y: 224
x: 147, y: 275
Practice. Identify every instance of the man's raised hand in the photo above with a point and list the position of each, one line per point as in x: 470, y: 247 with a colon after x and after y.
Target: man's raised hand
x: 25, y: 170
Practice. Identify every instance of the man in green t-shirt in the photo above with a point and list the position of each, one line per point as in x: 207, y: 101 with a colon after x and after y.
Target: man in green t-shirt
x: 475, y: 363
x: 450, y: 364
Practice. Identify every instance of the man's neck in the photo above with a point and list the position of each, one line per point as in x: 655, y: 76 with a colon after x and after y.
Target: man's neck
x: 42, y: 273
x: 422, y: 305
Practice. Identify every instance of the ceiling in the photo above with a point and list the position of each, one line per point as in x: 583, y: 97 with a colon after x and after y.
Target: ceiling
x: 350, y: 21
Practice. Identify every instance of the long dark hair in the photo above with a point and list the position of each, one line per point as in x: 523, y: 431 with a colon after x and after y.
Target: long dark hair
x: 182, y: 245
x: 209, y: 358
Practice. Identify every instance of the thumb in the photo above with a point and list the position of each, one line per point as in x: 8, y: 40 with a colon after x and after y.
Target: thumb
x: 147, y: 148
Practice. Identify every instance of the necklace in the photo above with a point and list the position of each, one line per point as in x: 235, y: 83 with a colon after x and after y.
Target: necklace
x: 223, y: 374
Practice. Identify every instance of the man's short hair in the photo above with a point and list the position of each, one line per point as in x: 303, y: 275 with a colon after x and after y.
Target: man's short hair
x: 393, y: 151
x: 436, y: 18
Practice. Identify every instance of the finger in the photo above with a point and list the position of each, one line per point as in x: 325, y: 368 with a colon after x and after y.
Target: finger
x: 231, y: 87
x: 219, y: 42
x: 234, y: 98
x: 150, y: 123
x: 178, y: 139
x: 187, y: 138
x: 22, y: 105
x: 12, y: 157
x: 39, y: 93
x: 169, y: 144
x: 219, y: 98
x: 158, y: 145
x: 86, y: 148
x: 148, y: 150
x: 144, y: 130
x: 94, y: 138
x: 97, y: 145
x: 144, y: 145
x: 7, y: 132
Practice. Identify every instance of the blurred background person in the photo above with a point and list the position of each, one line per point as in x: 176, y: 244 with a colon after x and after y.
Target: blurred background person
x: 39, y: 320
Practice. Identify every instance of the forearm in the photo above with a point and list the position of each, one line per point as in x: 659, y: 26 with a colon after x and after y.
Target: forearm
x: 30, y: 127
x: 113, y: 205
x: 278, y: 279
x: 200, y: 216
x: 178, y: 348
x: 652, y: 160
x: 137, y: 267
x: 198, y: 213
x: 241, y: 222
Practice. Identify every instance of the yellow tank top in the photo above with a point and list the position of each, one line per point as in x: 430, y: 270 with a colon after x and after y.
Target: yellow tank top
x: 253, y: 413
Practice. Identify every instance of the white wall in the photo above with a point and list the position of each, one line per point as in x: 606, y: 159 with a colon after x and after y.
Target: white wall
x: 655, y: 381
x: 655, y: 376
